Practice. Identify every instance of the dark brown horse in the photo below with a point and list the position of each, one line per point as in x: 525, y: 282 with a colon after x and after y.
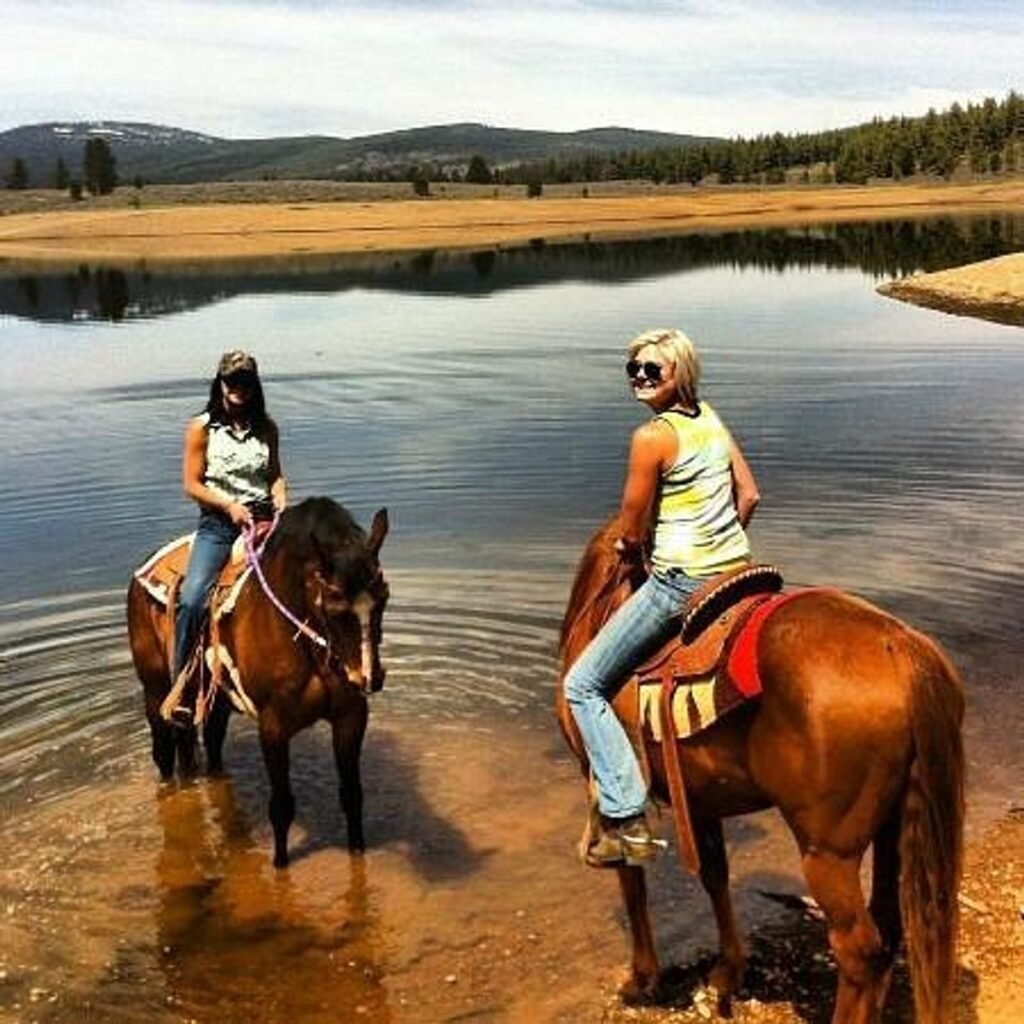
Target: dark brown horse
x: 325, y: 570
x: 856, y: 740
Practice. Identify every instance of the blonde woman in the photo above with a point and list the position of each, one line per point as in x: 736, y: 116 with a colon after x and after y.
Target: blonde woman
x: 690, y: 491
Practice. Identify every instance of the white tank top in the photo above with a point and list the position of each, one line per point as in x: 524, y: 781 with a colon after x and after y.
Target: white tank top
x: 237, y: 464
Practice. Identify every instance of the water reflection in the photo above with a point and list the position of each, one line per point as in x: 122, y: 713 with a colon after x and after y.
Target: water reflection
x: 238, y: 942
x: 882, y: 249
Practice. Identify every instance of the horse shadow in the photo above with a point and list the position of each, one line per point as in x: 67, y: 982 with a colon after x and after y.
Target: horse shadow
x: 790, y: 961
x: 398, y: 813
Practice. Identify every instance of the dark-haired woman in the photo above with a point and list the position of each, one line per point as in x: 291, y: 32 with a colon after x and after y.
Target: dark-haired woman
x: 232, y: 469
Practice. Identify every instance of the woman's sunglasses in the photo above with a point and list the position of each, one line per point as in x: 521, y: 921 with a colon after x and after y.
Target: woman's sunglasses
x: 241, y: 380
x: 651, y: 371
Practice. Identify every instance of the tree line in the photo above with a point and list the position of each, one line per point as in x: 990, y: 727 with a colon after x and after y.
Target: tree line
x: 98, y: 172
x: 987, y: 137
x: 983, y: 138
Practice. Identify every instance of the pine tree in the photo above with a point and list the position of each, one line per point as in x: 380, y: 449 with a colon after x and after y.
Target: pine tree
x: 18, y: 178
x: 478, y: 172
x: 61, y: 174
x: 99, y: 168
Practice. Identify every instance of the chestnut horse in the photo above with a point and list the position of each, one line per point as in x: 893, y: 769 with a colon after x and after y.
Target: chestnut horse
x: 324, y: 570
x: 856, y: 740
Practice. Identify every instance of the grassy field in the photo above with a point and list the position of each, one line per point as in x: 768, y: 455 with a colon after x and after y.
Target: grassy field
x: 177, y: 224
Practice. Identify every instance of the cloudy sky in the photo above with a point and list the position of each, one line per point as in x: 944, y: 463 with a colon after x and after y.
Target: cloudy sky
x: 249, y: 68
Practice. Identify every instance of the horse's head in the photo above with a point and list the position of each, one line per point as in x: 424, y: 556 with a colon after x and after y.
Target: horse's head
x: 350, y: 592
x: 345, y: 589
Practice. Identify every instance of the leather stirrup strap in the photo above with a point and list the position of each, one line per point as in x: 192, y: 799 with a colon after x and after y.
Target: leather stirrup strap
x: 172, y: 616
x: 686, y: 844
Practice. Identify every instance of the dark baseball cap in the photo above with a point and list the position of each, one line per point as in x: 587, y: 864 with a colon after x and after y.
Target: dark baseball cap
x: 236, y: 362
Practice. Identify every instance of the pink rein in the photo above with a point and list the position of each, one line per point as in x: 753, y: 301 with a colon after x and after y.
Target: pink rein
x: 253, y: 554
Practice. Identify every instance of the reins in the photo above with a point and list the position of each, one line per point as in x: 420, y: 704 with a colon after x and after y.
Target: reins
x: 253, y: 555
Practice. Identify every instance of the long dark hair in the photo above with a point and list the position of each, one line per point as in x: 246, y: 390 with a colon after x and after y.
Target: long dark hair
x: 255, y: 407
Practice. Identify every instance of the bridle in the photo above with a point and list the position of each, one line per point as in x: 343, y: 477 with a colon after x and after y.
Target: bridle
x: 254, y: 555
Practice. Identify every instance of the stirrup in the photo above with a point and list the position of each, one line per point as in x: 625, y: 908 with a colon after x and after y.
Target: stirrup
x: 181, y: 717
x: 628, y: 842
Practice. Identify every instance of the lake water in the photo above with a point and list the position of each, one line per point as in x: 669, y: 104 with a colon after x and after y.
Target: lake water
x: 481, y: 398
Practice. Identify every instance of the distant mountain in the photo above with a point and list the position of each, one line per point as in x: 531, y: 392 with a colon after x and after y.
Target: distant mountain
x: 161, y: 154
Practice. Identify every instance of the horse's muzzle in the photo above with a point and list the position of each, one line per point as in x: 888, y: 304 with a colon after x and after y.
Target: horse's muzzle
x: 367, y: 685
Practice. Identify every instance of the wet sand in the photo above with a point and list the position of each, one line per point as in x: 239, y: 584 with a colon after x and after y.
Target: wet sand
x: 196, y: 234
x: 139, y: 901
x: 992, y: 289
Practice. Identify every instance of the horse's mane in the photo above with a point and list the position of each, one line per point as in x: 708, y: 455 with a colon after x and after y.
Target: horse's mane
x: 593, y: 574
x: 321, y: 528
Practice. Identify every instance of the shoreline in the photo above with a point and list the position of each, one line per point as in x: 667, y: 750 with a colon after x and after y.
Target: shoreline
x: 125, y: 236
x: 991, y: 290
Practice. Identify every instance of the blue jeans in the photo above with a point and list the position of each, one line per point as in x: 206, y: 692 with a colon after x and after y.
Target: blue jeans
x: 636, y: 630
x: 211, y: 548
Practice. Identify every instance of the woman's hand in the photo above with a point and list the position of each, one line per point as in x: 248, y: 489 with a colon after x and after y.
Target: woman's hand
x: 631, y: 551
x: 239, y: 514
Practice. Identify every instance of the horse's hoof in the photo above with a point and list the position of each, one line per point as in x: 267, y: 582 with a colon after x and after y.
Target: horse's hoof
x: 280, y: 862
x: 724, y: 981
x: 640, y: 991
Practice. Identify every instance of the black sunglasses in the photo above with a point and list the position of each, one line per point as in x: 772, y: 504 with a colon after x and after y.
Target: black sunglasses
x: 240, y: 379
x: 652, y: 371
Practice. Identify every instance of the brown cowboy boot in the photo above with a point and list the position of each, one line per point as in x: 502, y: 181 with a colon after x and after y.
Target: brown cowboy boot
x: 621, y: 841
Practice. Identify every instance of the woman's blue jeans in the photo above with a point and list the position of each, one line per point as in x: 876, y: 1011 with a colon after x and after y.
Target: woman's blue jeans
x: 211, y: 548
x: 636, y: 630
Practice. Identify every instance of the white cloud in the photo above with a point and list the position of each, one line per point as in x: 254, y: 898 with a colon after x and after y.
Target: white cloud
x: 257, y: 68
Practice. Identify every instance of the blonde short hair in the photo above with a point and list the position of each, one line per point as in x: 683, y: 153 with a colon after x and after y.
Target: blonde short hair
x: 676, y: 347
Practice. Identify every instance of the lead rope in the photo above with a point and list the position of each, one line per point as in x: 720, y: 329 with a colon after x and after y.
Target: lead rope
x: 253, y: 554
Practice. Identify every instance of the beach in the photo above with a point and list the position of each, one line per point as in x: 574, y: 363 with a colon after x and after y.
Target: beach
x: 206, y: 232
x: 991, y: 289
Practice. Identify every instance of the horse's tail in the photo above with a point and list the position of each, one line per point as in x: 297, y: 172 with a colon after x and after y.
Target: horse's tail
x: 931, y: 835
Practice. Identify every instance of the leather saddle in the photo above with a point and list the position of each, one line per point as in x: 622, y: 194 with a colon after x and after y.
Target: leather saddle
x: 711, y: 619
x: 162, y: 573
x: 161, y: 576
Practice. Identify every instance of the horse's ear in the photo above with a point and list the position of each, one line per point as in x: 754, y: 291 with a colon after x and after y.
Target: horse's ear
x: 378, y: 531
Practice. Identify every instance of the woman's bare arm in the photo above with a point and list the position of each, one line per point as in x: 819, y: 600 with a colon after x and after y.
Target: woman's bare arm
x: 278, y: 484
x: 649, y: 451
x: 193, y: 469
x: 745, y: 491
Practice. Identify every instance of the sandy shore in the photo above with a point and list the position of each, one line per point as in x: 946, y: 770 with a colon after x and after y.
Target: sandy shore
x: 127, y: 901
x: 183, y: 233
x: 992, y: 289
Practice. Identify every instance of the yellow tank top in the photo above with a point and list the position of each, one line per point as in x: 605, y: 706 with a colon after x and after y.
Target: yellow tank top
x: 697, y: 527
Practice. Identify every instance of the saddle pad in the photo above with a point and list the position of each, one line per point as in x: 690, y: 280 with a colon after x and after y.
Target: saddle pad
x: 163, y: 569
x: 699, y: 702
x: 696, y: 704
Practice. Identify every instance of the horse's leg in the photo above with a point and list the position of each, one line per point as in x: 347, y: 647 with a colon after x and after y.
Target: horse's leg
x: 214, y: 730
x: 885, y: 897
x: 274, y: 743
x: 185, y: 744
x: 162, y: 736
x: 727, y: 973
x: 348, y: 728
x: 834, y: 882
x: 642, y: 985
